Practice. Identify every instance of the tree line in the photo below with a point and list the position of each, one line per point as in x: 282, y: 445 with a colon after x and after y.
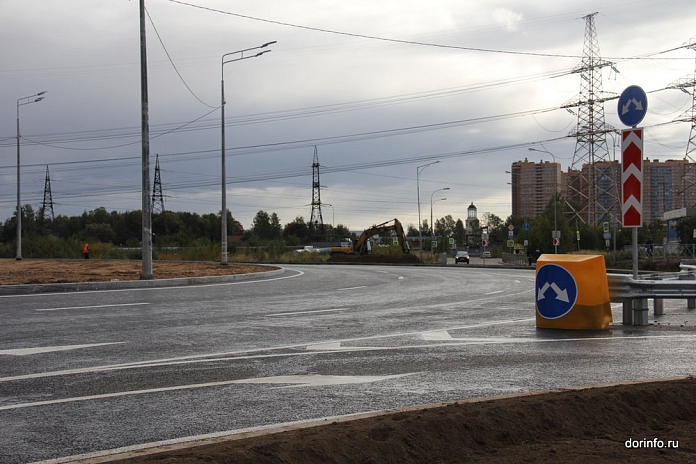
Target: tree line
x: 182, y: 229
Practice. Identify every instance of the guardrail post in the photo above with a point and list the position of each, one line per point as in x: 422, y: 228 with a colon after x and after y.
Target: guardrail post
x: 628, y: 313
x: 640, y: 311
x: 659, y: 306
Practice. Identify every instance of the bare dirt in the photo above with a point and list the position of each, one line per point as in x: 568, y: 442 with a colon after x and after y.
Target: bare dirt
x: 44, y: 271
x: 376, y: 259
x: 572, y: 426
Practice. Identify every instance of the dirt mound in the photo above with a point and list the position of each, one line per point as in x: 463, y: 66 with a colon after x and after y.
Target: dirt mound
x: 657, y: 419
x: 378, y: 259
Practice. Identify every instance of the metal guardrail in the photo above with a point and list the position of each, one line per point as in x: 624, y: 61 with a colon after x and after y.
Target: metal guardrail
x: 512, y: 258
x: 622, y: 288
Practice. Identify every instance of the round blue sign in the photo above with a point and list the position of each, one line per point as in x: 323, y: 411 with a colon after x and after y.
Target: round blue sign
x: 632, y: 106
x: 556, y: 291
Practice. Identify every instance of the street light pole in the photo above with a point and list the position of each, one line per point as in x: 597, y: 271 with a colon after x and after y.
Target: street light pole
x: 432, y: 226
x: 21, y: 102
x: 223, y: 213
x: 420, y: 169
x: 333, y: 216
x: 555, y: 196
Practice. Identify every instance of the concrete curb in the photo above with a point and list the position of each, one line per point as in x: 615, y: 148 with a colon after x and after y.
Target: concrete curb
x: 31, y: 289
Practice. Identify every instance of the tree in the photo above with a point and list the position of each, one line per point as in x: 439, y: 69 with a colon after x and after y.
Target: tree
x: 444, y: 227
x: 265, y: 227
x: 495, y: 224
x: 99, y: 232
x: 276, y: 229
x: 460, y: 232
x: 296, y: 231
x: 341, y: 231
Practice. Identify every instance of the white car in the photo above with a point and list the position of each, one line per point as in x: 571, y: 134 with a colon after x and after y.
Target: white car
x: 486, y: 254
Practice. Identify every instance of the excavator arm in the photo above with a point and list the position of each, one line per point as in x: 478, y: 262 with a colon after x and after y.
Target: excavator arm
x: 360, y: 247
x: 361, y: 244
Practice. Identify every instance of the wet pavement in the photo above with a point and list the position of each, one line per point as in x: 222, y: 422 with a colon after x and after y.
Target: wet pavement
x: 92, y: 371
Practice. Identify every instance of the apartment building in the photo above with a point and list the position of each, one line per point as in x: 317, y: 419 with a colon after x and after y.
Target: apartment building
x: 533, y: 186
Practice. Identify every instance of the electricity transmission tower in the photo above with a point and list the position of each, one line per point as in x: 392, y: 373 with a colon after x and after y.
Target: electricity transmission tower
x: 685, y: 197
x: 591, y: 177
x: 157, y: 197
x: 316, y: 222
x: 47, y: 203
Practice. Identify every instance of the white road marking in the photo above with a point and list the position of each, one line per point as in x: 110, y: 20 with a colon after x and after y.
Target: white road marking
x: 308, y: 312
x: 93, y: 307
x: 299, y: 273
x: 436, y: 335
x: 51, y: 349
x: 350, y: 288
x: 331, y: 346
x: 240, y: 356
x: 295, y: 380
x: 495, y: 293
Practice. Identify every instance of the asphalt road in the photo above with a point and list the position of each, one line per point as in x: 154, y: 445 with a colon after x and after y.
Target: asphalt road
x: 93, y: 371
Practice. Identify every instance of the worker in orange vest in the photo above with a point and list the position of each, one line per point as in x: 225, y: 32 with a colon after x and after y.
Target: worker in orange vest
x: 85, y: 250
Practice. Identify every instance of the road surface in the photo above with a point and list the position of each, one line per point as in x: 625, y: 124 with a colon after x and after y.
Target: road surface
x: 86, y: 372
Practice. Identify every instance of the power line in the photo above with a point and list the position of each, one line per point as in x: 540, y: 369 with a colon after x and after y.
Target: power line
x: 400, y: 41
x: 172, y: 62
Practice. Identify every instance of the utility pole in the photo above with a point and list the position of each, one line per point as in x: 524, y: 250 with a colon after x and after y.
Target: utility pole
x: 316, y: 221
x: 146, y: 272
x: 597, y: 199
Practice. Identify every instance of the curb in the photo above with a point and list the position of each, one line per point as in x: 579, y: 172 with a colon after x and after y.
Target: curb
x: 31, y: 289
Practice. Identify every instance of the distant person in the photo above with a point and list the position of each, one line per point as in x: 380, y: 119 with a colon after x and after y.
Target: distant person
x: 529, y: 258
x: 85, y: 250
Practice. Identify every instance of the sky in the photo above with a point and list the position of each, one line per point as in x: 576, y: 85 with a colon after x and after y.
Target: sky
x: 379, y: 88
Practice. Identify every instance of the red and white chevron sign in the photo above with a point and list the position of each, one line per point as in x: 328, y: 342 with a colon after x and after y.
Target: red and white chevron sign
x: 632, y: 177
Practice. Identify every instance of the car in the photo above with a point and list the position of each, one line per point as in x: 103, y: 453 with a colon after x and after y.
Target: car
x: 461, y: 257
x: 486, y: 254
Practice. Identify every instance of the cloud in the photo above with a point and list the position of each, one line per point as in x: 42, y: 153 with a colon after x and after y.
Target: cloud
x: 507, y: 18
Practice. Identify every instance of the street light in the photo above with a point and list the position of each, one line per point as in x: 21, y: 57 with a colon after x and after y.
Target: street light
x: 432, y: 226
x: 333, y: 215
x: 21, y: 102
x: 223, y: 213
x: 555, y: 196
x: 420, y: 169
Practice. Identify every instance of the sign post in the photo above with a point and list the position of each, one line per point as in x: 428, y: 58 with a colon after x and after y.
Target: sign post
x: 632, y: 106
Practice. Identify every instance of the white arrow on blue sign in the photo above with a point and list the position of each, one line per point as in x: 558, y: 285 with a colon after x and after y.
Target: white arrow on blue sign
x: 556, y: 291
x: 632, y: 106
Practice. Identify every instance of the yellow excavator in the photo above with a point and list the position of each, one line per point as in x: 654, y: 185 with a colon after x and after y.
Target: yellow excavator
x: 361, y: 246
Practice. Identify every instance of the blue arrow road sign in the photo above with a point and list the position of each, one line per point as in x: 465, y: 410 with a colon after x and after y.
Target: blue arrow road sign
x: 525, y: 226
x: 556, y: 291
x: 632, y: 106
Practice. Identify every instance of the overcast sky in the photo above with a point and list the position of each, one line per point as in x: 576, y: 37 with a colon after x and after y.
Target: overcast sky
x: 443, y: 87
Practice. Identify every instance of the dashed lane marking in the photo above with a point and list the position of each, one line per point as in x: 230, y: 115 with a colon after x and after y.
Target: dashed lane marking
x: 93, y: 307
x: 51, y: 349
x: 317, y: 311
x: 289, y: 380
